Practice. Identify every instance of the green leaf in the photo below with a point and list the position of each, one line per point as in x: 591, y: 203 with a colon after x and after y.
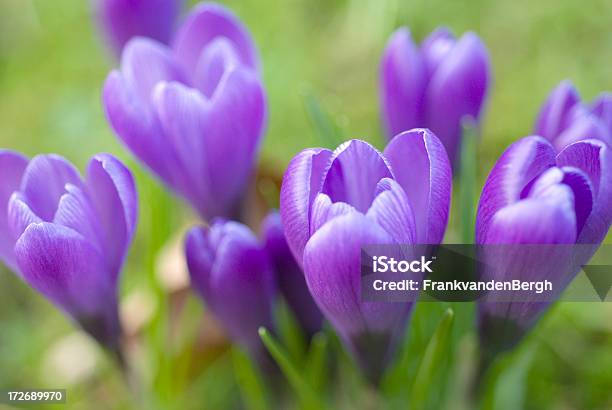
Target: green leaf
x: 317, y: 357
x: 249, y: 381
x: 322, y: 122
x: 467, y: 180
x: 305, y: 393
x: 433, y: 362
x: 290, y: 332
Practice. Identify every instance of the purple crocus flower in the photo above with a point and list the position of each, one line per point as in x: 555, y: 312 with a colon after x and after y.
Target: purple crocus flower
x: 565, y: 119
x: 333, y: 203
x: 231, y: 271
x: 121, y: 20
x: 435, y: 85
x: 194, y: 113
x: 68, y: 237
x: 535, y: 196
x: 289, y: 275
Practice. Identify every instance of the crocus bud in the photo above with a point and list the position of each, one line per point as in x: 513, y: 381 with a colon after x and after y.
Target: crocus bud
x: 564, y: 119
x: 333, y: 203
x: 231, y: 271
x: 67, y: 237
x: 289, y: 276
x: 434, y: 86
x: 121, y: 20
x: 194, y: 113
x: 535, y: 196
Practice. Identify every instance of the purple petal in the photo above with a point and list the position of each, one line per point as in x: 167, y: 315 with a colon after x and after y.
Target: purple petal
x: 391, y: 211
x: 204, y: 24
x: 63, y: 266
x: 12, y: 166
x: 234, y: 126
x: 594, y: 159
x: 238, y: 286
x: 436, y: 47
x: 323, y: 211
x: 353, y: 174
x: 554, y: 116
x: 584, y: 127
x: 44, y: 182
x: 301, y: 183
x: 546, y: 218
x: 113, y: 193
x: 458, y: 89
x: 290, y: 277
x: 421, y: 167
x: 602, y: 108
x: 517, y: 167
x: 219, y: 57
x: 402, y: 84
x: 136, y: 126
x: 332, y: 263
x: 120, y: 20
x: 145, y: 63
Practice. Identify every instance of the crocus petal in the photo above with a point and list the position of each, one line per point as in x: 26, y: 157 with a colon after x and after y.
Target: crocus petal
x: 458, y: 89
x: 391, y: 211
x: 20, y: 216
x: 436, y: 47
x: 136, y: 126
x: 353, y: 174
x: 12, y: 166
x: 594, y: 159
x: 584, y: 127
x: 301, y: 183
x: 145, y: 63
x: 547, y: 218
x: 63, y: 266
x: 516, y: 168
x: 219, y: 57
x: 602, y: 108
x: 323, y: 211
x: 554, y: 116
x: 421, y: 167
x: 237, y: 117
x: 239, y: 285
x: 113, y: 193
x: 120, y: 20
x: 332, y: 265
x: 207, y: 22
x: 44, y: 182
x: 289, y: 275
x: 402, y: 84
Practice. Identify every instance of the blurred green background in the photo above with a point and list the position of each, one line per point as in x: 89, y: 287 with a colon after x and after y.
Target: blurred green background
x: 320, y: 58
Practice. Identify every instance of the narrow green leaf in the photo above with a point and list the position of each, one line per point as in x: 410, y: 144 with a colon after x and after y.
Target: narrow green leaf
x: 306, y: 395
x: 433, y: 362
x: 468, y: 179
x: 249, y: 381
x: 290, y: 333
x: 322, y: 122
x: 316, y: 361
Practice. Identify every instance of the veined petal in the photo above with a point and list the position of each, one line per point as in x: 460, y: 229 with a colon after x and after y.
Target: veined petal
x: 301, y: 184
x: 44, y: 182
x: 458, y: 89
x: 402, y: 84
x: 20, y: 216
x: 204, y: 24
x: 391, y: 211
x: 554, y: 116
x: 323, y: 211
x: 586, y: 126
x: 421, y: 167
x: 516, y: 168
x: 594, y: 159
x: 113, y: 192
x: 353, y: 174
x: 12, y: 166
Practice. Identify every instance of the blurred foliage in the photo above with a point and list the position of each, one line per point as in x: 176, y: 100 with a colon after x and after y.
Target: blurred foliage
x: 321, y: 71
